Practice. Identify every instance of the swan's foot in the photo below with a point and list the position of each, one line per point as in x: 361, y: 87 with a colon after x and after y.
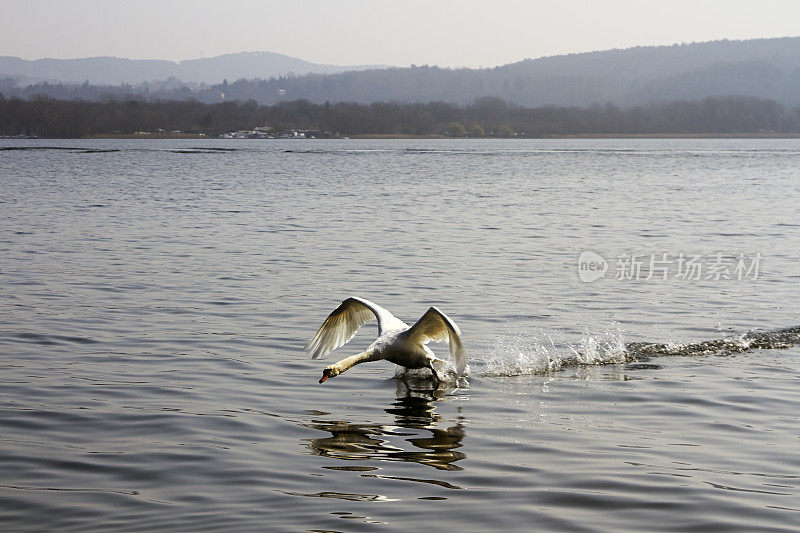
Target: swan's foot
x: 443, y: 374
x: 436, y: 377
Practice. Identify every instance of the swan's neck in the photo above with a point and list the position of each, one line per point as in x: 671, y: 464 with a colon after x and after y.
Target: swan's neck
x: 353, y: 360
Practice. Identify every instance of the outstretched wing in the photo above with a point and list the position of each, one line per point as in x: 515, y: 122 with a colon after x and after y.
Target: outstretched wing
x: 343, y: 323
x: 437, y: 327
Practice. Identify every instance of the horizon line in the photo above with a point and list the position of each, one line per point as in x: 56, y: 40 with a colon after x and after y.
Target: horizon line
x: 388, y: 66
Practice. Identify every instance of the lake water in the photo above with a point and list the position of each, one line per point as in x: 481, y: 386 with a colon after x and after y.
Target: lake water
x: 155, y: 298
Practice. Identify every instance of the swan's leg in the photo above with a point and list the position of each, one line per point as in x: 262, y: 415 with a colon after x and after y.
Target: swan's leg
x: 435, y: 375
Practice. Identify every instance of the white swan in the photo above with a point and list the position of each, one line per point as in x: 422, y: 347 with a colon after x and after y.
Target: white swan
x: 396, y: 342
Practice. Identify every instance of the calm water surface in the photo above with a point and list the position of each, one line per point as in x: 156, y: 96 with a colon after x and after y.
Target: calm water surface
x: 155, y: 297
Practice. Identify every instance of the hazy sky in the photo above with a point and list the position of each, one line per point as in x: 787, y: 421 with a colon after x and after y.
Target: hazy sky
x: 348, y: 32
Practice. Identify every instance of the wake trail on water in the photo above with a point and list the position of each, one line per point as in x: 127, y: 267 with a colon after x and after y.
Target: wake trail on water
x: 543, y: 352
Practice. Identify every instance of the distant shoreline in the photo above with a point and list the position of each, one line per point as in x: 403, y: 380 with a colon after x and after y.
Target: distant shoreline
x: 726, y: 117
x: 395, y: 136
x: 146, y: 136
x: 676, y: 136
x: 601, y: 136
x: 439, y: 136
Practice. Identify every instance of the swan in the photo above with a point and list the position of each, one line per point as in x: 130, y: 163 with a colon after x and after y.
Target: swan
x: 397, y: 342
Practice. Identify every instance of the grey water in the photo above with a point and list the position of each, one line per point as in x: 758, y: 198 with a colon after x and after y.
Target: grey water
x: 155, y: 298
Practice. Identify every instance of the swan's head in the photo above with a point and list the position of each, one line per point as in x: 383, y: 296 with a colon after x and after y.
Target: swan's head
x: 329, y: 372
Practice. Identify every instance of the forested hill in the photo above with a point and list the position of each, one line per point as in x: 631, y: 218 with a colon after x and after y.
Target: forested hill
x: 765, y: 68
x: 762, y: 68
x: 116, y: 70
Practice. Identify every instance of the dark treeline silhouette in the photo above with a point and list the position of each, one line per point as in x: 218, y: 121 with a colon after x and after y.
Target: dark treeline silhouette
x: 46, y: 117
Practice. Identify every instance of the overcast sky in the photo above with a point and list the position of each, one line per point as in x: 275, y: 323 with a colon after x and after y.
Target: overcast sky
x: 349, y: 32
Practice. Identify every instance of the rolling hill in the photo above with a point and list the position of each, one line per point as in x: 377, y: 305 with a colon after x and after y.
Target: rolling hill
x: 115, y: 70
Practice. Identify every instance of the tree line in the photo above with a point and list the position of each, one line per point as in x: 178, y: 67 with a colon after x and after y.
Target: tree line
x: 488, y: 116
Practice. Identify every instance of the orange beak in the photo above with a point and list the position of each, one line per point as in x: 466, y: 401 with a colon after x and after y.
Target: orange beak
x: 326, y: 373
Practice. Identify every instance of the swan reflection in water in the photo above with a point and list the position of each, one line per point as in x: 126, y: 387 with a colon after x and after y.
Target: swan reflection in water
x: 415, y: 421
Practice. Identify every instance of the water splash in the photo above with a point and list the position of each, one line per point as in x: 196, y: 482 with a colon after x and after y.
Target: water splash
x: 543, y: 351
x: 752, y: 340
x: 421, y: 379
